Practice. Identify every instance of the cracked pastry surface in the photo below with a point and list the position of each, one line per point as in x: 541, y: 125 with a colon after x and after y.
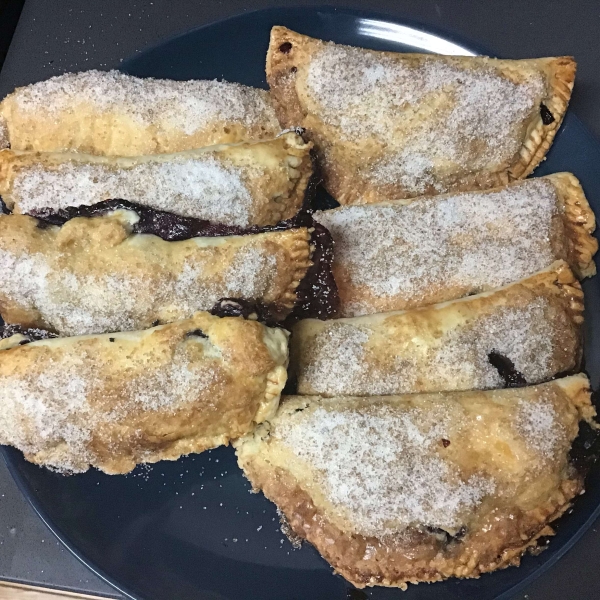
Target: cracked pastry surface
x: 93, y: 275
x: 418, y: 488
x: 108, y: 112
x: 395, y: 125
x: 252, y: 183
x: 404, y: 254
x: 114, y: 400
x: 534, y: 326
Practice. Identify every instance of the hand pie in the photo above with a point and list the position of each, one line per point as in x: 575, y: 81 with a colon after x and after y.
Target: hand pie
x: 404, y: 254
x: 93, y: 275
x: 524, y: 333
x: 389, y: 125
x: 418, y: 488
x: 107, y: 112
x: 253, y: 183
x: 112, y: 401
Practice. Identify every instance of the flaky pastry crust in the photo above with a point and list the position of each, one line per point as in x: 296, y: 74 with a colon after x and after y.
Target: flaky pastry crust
x: 403, y: 254
x: 251, y: 183
x: 113, y: 401
x: 111, y: 113
x: 93, y: 275
x: 533, y: 326
x: 532, y: 487
x: 350, y: 160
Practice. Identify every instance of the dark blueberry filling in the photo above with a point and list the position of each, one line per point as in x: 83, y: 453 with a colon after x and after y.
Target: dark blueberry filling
x: 506, y: 370
x: 269, y: 314
x: 547, y: 116
x: 32, y: 335
x: 441, y: 533
x: 196, y: 333
x: 317, y: 293
x: 285, y: 47
x: 165, y: 225
x: 585, y: 450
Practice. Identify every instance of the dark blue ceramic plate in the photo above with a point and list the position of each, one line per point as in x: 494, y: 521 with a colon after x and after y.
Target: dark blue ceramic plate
x: 190, y: 530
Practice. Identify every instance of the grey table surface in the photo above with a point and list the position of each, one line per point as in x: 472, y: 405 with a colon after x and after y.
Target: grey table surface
x: 54, y: 36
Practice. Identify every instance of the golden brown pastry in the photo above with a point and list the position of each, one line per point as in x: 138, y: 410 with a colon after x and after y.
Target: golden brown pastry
x: 390, y: 125
x: 418, y: 488
x: 107, y: 112
x: 404, y: 254
x: 93, y: 275
x: 252, y: 183
x: 524, y: 333
x: 113, y: 401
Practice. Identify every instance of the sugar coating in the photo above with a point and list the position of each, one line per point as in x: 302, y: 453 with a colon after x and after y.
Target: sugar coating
x: 204, y: 187
x: 335, y: 363
x: 185, y: 105
x: 540, y: 425
x: 76, y: 303
x: 432, y: 115
x: 380, y: 466
x: 341, y: 359
x: 473, y: 241
x: 61, y: 405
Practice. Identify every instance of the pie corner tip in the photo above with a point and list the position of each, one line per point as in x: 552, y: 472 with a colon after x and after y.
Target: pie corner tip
x: 565, y: 68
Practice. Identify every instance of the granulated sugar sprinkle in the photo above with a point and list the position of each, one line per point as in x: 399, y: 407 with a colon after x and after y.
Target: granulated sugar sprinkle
x: 185, y: 105
x: 203, y: 187
x: 43, y: 409
x: 335, y: 364
x: 540, y: 425
x: 427, y: 113
x: 61, y: 403
x: 381, y: 467
x: 341, y: 359
x: 76, y: 303
x: 172, y: 385
x: 472, y: 241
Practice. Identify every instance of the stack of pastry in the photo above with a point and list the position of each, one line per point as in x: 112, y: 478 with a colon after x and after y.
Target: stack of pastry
x: 143, y: 222
x: 435, y: 415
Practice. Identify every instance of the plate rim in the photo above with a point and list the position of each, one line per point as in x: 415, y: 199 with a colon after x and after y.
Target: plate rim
x: 399, y: 19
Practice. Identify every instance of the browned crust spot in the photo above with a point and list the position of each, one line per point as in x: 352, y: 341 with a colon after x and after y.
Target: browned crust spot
x: 415, y: 556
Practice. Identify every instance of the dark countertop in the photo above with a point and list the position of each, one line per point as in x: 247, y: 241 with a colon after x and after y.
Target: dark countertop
x: 54, y: 36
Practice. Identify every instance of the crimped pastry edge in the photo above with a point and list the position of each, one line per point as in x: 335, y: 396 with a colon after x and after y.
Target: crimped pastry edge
x: 580, y: 223
x: 300, y: 251
x: 293, y: 501
x: 561, y: 73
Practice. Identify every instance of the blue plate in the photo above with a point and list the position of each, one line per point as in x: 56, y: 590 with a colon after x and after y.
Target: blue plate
x: 190, y: 530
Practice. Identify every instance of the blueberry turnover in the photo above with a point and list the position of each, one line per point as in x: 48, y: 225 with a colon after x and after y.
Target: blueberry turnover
x: 394, y: 125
